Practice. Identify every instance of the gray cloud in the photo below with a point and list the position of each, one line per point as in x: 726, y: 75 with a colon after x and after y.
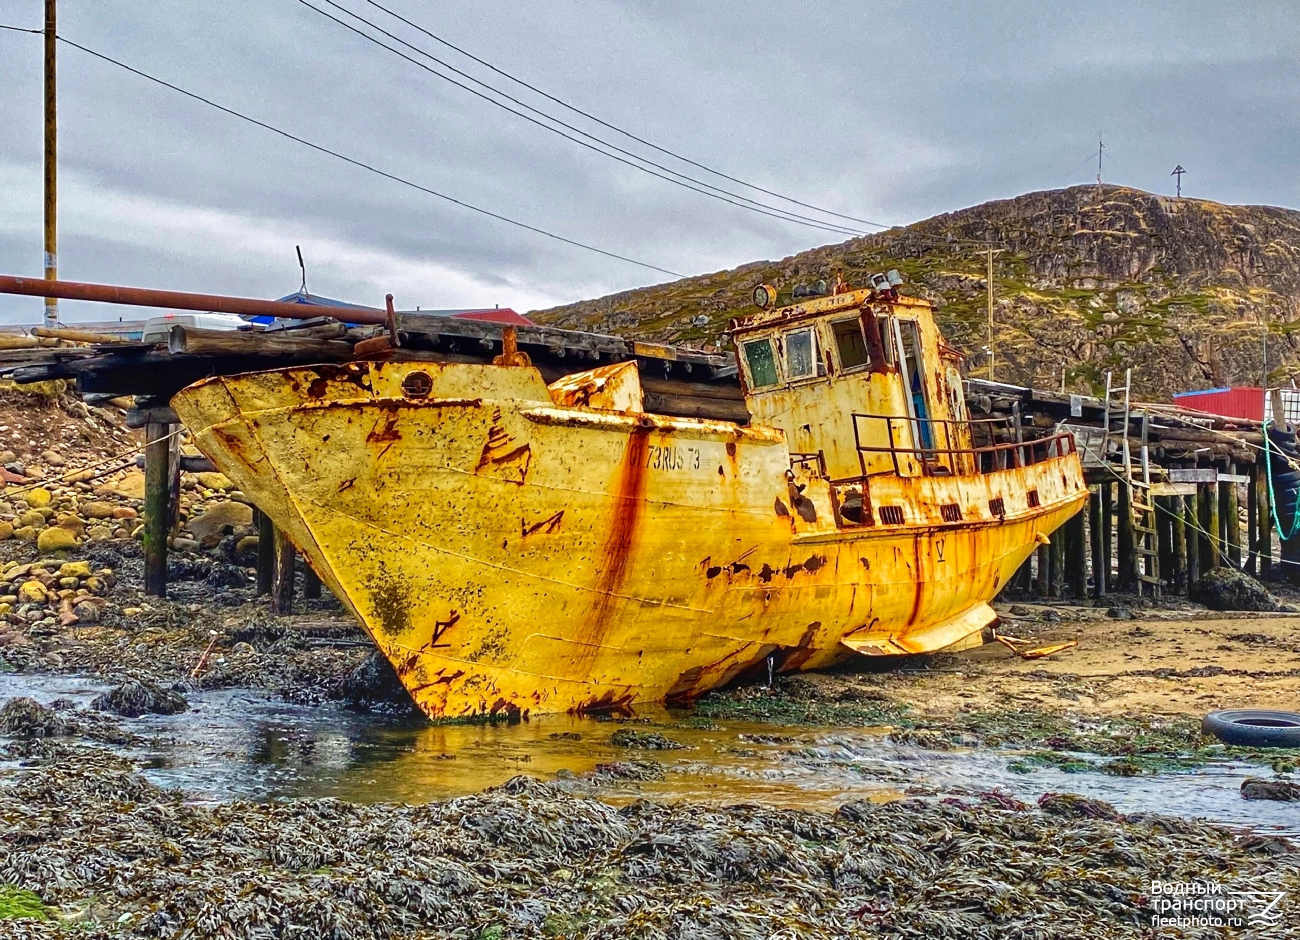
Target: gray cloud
x: 888, y: 111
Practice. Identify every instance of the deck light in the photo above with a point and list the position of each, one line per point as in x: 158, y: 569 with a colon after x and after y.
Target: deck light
x: 764, y: 296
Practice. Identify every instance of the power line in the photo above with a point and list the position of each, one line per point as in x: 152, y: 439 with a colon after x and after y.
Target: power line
x: 615, y: 128
x: 352, y: 160
x: 681, y: 179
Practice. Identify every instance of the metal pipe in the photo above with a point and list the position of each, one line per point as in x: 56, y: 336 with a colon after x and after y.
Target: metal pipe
x: 51, y: 168
x: 179, y: 300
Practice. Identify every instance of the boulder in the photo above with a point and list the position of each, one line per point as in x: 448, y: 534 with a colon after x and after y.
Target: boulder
x: 131, y: 486
x: 31, y: 517
x: 245, y: 552
x: 124, y: 512
x: 1230, y: 589
x: 74, y: 569
x: 52, y: 458
x: 137, y: 697
x: 27, y: 718
x: 31, y: 592
x: 222, y: 519
x: 6, y: 531
x: 27, y: 533
x: 182, y: 544
x: 214, y: 481
x: 99, y: 533
x: 97, y: 509
x: 55, y: 539
x: 86, y: 612
x: 39, y: 498
x: 74, y: 524
x: 1253, y: 788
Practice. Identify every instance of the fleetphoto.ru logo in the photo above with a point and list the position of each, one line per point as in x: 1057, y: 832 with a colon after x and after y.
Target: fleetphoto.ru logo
x: 1211, y: 904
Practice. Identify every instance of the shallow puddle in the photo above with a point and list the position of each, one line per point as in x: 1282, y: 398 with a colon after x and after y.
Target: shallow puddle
x: 237, y: 743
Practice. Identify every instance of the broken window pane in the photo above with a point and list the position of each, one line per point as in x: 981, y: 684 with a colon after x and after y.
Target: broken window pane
x: 800, y: 356
x: 850, y: 345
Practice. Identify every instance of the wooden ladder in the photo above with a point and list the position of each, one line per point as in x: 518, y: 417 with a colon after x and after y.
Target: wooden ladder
x: 1141, y: 522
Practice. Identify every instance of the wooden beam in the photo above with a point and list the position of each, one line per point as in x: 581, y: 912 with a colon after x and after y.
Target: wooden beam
x: 1164, y: 537
x: 157, y: 458
x: 193, y: 342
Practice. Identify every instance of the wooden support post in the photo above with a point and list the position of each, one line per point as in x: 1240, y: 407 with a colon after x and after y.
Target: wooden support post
x: 1095, y: 534
x: 265, y: 553
x: 1230, y: 504
x: 282, y: 585
x: 1043, y: 584
x: 1191, y: 515
x: 1264, y: 522
x: 1164, y: 538
x: 1056, y: 573
x: 1022, y: 582
x: 157, y: 455
x: 1107, y: 534
x: 1213, y: 525
x: 1076, y: 556
x: 1178, y: 552
x: 310, y: 585
x: 1252, y: 522
x: 1125, y: 579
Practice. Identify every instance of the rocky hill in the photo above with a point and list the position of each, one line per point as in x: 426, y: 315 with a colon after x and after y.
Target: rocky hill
x: 1086, y: 280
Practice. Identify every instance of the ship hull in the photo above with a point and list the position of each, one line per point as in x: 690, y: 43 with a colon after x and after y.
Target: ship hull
x: 511, y: 556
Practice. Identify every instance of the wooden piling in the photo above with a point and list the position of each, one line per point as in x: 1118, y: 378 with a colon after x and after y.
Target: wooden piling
x: 1042, y: 583
x: 1178, y: 552
x: 310, y: 584
x: 1263, y: 522
x: 1163, y: 518
x: 1191, y: 515
x: 1095, y: 534
x: 1213, y: 525
x: 1229, y: 506
x: 1056, y: 573
x: 1107, y: 534
x: 1124, y: 540
x: 157, y: 458
x: 1252, y: 522
x: 282, y: 583
x: 1076, y: 556
x: 1022, y: 582
x: 265, y: 553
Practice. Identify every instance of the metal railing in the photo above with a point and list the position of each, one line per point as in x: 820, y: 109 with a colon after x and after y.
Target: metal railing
x: 986, y: 458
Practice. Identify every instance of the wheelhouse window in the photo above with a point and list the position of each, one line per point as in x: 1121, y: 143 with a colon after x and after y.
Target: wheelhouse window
x: 801, y: 359
x: 761, y: 363
x: 850, y: 345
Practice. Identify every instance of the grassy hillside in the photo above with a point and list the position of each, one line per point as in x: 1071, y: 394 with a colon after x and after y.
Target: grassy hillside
x: 1181, y: 290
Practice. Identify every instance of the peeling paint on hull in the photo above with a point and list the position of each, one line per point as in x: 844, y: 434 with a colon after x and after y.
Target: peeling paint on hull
x: 511, y: 556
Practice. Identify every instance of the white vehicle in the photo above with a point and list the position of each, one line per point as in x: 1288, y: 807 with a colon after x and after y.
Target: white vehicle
x: 157, y: 328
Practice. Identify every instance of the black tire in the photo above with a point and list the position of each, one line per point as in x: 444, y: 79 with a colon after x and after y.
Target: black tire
x: 1286, y: 480
x: 1254, y: 727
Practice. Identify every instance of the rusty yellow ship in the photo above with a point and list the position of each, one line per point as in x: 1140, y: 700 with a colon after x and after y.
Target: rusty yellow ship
x: 515, y: 547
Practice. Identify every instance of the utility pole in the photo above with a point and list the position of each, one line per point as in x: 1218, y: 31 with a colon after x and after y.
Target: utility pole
x: 989, y: 282
x: 1100, y: 147
x: 1178, y: 172
x: 51, y: 169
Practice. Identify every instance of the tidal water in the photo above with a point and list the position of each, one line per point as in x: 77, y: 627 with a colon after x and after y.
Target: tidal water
x: 238, y: 744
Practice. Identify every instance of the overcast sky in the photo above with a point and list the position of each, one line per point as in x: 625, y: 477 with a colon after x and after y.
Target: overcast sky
x: 889, y: 112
